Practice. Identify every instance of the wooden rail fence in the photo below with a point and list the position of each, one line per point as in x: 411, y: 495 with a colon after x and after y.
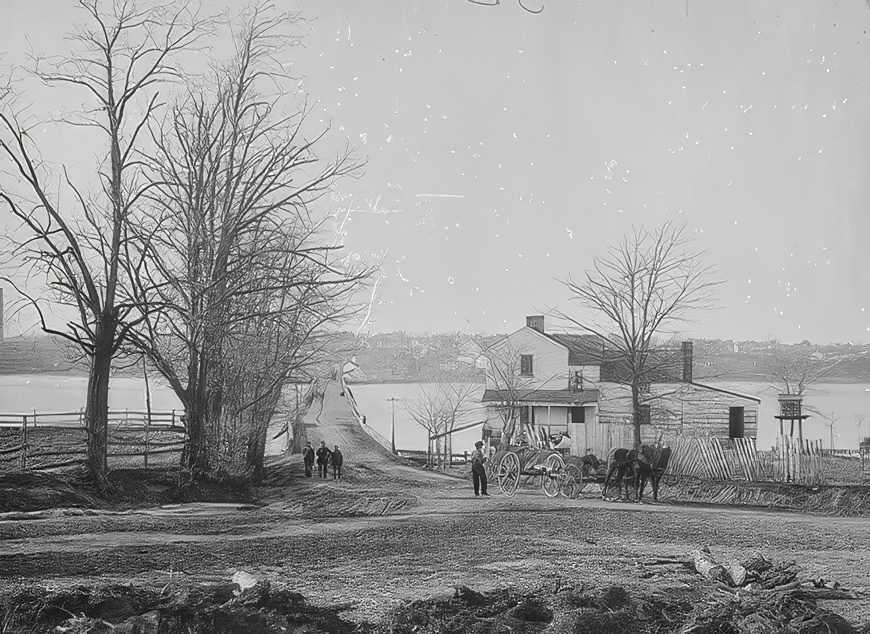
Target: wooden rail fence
x: 50, y: 440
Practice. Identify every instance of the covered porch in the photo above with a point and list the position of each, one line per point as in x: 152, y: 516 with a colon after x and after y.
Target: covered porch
x: 564, y: 420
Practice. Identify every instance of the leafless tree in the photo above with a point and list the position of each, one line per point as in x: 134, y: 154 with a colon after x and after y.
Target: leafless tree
x: 74, y: 232
x: 237, y: 269
x: 437, y: 407
x: 504, y: 376
x: 651, y: 278
x: 794, y: 368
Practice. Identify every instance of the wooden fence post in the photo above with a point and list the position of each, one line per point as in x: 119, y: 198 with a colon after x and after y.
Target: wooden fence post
x: 24, y: 444
x: 147, y: 427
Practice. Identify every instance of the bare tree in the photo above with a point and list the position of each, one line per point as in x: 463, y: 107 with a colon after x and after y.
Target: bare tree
x: 238, y: 271
x: 794, y: 368
x: 509, y: 386
x: 75, y: 232
x: 649, y: 279
x: 437, y: 407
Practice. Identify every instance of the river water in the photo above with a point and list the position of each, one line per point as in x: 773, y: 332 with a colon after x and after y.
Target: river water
x: 848, y: 404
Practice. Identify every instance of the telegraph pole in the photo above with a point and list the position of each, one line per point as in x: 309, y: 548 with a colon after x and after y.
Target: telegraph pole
x: 392, y: 401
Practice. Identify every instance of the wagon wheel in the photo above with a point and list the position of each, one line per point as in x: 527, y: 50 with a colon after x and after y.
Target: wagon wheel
x: 508, y: 474
x: 573, y: 481
x: 554, y: 476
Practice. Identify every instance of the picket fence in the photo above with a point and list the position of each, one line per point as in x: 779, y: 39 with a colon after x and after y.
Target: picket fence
x: 790, y: 460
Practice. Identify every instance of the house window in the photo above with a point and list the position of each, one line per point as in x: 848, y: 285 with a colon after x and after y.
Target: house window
x: 526, y: 366
x: 578, y: 414
x: 735, y: 422
x: 645, y: 418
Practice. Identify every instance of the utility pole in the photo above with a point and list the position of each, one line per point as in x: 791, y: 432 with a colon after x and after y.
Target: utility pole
x: 392, y: 401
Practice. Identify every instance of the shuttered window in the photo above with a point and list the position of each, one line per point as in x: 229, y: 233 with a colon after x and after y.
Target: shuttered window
x: 526, y: 365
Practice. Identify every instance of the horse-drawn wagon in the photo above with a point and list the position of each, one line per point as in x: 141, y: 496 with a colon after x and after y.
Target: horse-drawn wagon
x: 557, y: 474
x: 567, y: 475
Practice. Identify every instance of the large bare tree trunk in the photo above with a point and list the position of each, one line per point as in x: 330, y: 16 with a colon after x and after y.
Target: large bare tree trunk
x: 261, y: 415
x: 636, y: 413
x: 196, y: 456
x: 97, y: 402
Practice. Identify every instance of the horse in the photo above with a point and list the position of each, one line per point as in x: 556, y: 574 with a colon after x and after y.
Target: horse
x: 646, y: 465
x: 653, y: 464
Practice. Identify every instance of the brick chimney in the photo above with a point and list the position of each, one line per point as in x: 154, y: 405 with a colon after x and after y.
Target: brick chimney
x: 535, y: 322
x: 687, y: 361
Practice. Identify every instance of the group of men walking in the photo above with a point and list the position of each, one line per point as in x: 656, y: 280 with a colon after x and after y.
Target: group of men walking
x: 323, y: 457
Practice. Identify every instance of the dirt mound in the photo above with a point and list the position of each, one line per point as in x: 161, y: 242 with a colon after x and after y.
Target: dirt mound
x: 28, y: 491
x: 328, y: 501
x: 211, y: 608
x: 837, y: 500
x: 255, y: 604
x: 610, y: 609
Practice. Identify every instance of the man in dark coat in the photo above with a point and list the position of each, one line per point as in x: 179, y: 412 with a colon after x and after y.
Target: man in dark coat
x: 308, y: 459
x: 478, y: 470
x: 323, y: 454
x: 337, y: 459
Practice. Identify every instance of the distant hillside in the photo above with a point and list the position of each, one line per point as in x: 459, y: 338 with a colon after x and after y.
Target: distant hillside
x: 752, y: 360
x: 405, y: 357
x: 33, y: 355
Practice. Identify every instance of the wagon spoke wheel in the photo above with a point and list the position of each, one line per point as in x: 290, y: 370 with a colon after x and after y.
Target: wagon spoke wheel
x: 573, y: 483
x: 508, y: 475
x: 552, y: 479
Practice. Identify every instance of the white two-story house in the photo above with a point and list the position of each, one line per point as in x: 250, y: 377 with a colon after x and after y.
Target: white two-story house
x: 556, y: 385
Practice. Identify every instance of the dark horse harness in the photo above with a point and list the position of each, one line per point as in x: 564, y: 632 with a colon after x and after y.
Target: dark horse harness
x: 647, y: 464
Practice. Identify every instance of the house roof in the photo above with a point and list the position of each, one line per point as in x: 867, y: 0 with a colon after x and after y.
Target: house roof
x: 542, y: 397
x: 747, y: 397
x: 582, y: 349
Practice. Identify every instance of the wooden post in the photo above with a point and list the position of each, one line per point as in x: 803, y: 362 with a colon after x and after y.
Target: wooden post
x: 24, y: 444
x: 147, y: 429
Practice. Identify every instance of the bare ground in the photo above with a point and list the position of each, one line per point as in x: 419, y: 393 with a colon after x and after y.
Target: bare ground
x: 392, y: 548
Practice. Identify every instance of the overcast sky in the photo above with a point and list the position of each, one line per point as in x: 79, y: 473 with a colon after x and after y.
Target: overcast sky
x: 504, y: 150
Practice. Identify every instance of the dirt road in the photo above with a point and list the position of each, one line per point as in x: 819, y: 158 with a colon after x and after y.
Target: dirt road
x: 388, y: 533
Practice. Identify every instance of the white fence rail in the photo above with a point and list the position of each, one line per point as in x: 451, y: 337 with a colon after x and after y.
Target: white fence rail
x: 117, y: 418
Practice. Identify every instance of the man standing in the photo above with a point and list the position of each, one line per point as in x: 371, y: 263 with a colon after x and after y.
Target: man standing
x: 323, y: 454
x: 308, y: 458
x: 337, y: 459
x: 478, y: 471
